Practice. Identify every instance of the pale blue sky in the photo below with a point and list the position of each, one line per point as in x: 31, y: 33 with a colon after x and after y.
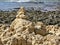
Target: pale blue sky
x: 29, y: 0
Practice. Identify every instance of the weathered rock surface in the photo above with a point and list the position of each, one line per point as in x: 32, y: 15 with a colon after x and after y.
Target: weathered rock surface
x: 24, y: 31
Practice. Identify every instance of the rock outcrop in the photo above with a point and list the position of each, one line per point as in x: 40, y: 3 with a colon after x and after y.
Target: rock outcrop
x: 23, y: 31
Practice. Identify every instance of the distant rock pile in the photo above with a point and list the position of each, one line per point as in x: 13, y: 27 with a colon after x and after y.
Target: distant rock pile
x: 26, y: 31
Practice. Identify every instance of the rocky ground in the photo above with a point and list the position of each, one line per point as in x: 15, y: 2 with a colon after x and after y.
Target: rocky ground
x: 48, y: 18
x: 31, y: 28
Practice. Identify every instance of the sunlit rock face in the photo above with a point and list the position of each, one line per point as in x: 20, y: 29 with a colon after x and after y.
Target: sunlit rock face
x: 21, y: 19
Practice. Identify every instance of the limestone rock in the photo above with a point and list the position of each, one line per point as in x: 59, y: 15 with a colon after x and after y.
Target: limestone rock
x: 40, y: 28
x: 21, y: 13
x: 1, y: 42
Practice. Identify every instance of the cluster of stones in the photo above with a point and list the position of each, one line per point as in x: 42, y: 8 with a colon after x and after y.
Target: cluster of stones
x: 26, y: 32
